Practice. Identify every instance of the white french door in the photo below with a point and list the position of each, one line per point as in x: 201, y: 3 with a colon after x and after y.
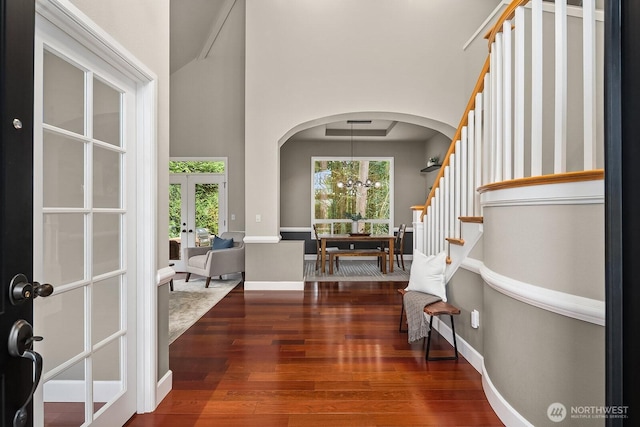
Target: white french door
x: 84, y: 234
x: 202, y: 213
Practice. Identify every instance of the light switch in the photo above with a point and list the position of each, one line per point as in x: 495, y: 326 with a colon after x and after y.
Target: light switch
x: 258, y: 217
x: 475, y: 319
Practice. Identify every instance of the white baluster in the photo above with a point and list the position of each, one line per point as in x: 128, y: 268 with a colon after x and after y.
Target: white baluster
x: 471, y: 146
x: 589, y: 81
x: 429, y: 229
x: 498, y: 145
x: 518, y: 148
x: 506, y: 107
x: 457, y: 191
x: 536, y: 87
x: 464, y: 169
x: 560, y: 127
x: 446, y: 199
x: 479, y: 167
x: 487, y: 127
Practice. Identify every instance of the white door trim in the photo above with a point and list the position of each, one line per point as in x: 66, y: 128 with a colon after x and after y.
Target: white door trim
x: 74, y: 22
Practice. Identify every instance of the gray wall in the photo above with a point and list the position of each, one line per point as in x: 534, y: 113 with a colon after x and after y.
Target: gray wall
x: 207, y: 109
x: 283, y: 261
x: 556, y: 247
x: 535, y: 357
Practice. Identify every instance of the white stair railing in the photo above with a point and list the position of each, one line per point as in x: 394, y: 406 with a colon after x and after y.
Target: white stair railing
x: 524, y: 119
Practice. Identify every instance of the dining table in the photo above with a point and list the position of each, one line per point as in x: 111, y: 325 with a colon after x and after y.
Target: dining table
x: 352, y: 238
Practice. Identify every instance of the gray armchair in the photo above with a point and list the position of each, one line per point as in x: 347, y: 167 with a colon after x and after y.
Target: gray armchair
x: 208, y: 262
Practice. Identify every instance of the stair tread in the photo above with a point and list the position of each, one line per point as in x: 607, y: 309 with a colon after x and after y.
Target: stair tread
x: 455, y: 241
x: 474, y: 219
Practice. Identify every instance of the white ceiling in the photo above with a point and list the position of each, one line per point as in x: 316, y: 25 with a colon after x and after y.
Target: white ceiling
x: 194, y: 27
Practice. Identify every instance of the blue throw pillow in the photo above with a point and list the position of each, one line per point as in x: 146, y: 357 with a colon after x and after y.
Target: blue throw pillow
x: 219, y: 243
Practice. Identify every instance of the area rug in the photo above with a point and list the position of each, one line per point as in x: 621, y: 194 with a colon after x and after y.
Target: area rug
x: 189, y: 301
x: 356, y: 271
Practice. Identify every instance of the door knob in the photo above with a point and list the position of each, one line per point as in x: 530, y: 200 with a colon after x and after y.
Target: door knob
x: 20, y: 345
x: 21, y: 290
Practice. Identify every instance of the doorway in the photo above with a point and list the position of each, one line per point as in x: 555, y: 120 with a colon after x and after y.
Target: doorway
x: 197, y: 208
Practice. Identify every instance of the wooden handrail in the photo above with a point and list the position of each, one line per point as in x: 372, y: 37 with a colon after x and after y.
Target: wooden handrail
x: 463, y: 122
x: 557, y: 178
x: 508, y: 13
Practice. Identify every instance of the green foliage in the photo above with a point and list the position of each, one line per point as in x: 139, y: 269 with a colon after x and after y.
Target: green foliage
x: 207, y: 213
x: 174, y: 210
x: 332, y: 202
x: 195, y: 167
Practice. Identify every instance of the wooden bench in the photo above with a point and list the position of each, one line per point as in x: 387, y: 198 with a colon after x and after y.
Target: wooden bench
x: 359, y: 252
x: 436, y: 309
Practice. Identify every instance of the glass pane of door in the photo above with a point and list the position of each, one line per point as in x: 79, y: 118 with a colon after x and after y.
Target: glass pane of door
x: 175, y: 220
x: 63, y: 94
x: 206, y: 207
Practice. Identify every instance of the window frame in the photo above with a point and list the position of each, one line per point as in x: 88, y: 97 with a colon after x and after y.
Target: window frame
x: 389, y: 221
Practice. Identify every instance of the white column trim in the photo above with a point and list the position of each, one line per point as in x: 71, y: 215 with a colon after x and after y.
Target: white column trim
x: 262, y: 239
x: 261, y: 285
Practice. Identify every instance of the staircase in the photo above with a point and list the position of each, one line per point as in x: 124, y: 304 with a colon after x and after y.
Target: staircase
x: 511, y: 135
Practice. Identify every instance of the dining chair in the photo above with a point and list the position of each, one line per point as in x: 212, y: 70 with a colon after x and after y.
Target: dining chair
x: 398, y: 244
x: 319, y: 250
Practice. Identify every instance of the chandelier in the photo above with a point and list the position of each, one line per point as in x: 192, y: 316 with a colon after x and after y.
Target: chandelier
x: 356, y: 183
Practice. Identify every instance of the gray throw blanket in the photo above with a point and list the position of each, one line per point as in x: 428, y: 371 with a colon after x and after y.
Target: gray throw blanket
x: 414, y: 304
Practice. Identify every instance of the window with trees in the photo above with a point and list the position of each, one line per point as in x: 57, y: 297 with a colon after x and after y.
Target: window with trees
x: 339, y: 208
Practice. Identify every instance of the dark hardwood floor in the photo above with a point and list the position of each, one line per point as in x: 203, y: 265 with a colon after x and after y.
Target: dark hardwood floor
x: 329, y: 356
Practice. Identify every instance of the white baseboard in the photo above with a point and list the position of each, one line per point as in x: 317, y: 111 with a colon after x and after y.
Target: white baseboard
x: 507, y: 414
x: 164, y: 386
x: 74, y: 390
x: 273, y: 286
x: 312, y: 257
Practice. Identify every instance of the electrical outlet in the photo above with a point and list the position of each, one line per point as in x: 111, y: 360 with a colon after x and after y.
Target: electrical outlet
x: 233, y: 217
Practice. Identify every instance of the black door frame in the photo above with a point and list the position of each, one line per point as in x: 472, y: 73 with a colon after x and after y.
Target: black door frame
x: 622, y: 206
x: 17, y: 26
